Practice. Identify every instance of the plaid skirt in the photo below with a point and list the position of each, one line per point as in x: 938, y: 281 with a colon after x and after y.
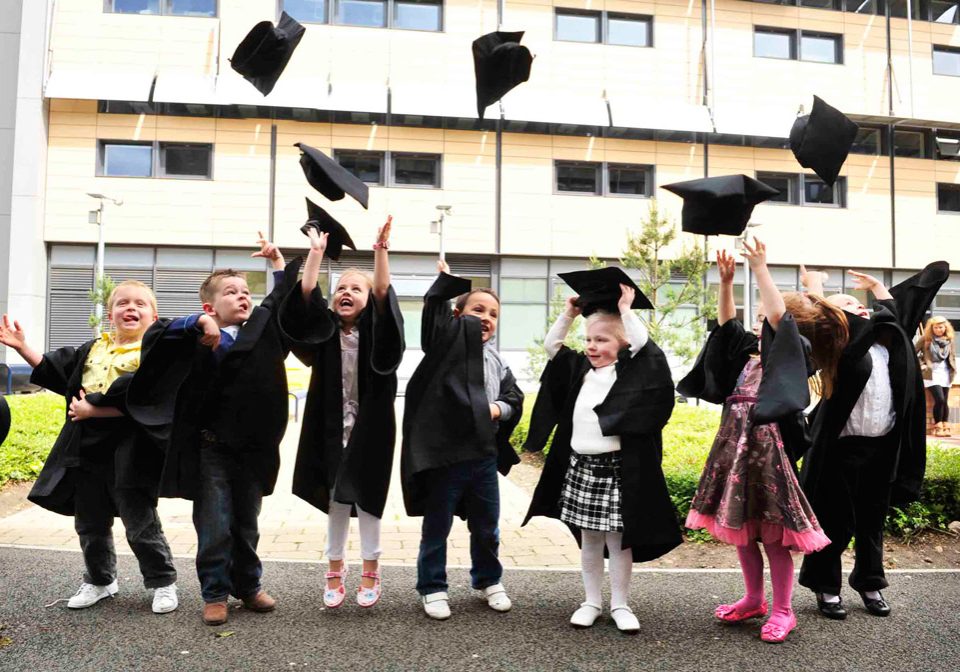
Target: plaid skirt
x: 590, y: 499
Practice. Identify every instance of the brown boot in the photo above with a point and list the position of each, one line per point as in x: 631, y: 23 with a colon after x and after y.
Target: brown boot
x: 215, y: 613
x: 261, y: 602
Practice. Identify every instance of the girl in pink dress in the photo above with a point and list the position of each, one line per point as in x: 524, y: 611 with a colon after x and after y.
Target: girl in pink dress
x: 748, y: 491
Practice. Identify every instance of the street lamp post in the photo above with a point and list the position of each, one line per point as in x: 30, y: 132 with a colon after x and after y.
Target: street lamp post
x: 96, y: 217
x: 436, y: 226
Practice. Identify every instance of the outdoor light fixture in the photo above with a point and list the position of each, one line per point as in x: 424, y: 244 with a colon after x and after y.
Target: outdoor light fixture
x: 96, y: 217
x: 948, y: 146
x: 436, y: 226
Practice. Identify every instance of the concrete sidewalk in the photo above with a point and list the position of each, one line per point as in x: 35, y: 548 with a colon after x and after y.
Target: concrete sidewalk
x: 291, y: 529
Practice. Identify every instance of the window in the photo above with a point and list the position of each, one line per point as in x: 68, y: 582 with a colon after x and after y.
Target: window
x: 169, y: 7
x: 523, y: 312
x: 631, y: 30
x: 416, y: 170
x: 821, y: 47
x: 866, y: 142
x: 785, y: 183
x: 629, y: 179
x: 862, y: 6
x: 940, y: 11
x: 185, y: 160
x: 774, y: 43
x: 578, y: 177
x: 148, y: 159
x: 821, y: 4
x: 418, y: 15
x: 909, y: 144
x: 574, y: 26
x: 948, y: 197
x: 306, y: 11
x: 124, y: 159
x: 898, y: 9
x: 370, y: 13
x: 367, y: 166
x: 946, y: 61
x: 816, y: 191
x: 403, y: 14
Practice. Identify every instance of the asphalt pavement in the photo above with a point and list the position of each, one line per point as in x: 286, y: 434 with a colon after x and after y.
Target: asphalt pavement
x: 678, y: 631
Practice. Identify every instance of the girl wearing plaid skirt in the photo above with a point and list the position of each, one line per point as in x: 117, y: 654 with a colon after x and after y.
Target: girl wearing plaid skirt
x: 602, y: 476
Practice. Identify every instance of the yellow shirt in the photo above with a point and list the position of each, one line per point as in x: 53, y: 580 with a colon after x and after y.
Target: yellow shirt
x: 107, y: 361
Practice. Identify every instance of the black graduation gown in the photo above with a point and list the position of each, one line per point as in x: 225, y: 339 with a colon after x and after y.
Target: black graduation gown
x: 360, y: 472
x: 892, y: 323
x: 446, y: 418
x: 636, y: 409
x: 180, y: 389
x: 115, y: 449
x: 784, y: 392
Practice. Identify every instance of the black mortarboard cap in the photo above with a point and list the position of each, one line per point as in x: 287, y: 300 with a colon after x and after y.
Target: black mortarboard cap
x: 329, y: 177
x: 719, y: 205
x: 599, y: 289
x: 320, y: 219
x: 265, y: 51
x: 822, y: 139
x: 4, y: 419
x: 500, y: 63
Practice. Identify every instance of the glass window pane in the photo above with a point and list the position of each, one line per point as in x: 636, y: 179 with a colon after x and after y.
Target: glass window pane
x: 816, y: 190
x: 523, y: 289
x: 909, y: 143
x: 578, y: 27
x: 948, y: 301
x: 128, y: 160
x: 768, y: 44
x: 136, y: 6
x: 948, y: 197
x: 362, y: 13
x: 368, y: 166
x: 861, y: 6
x: 898, y: 9
x: 625, y: 179
x: 578, y: 177
x: 414, y: 15
x: 311, y: 11
x: 784, y: 183
x: 866, y: 142
x: 819, y: 4
x: 192, y: 7
x: 819, y: 48
x: 186, y: 160
x: 629, y: 31
x: 411, y: 310
x: 416, y: 169
x: 521, y: 325
x: 946, y: 62
x: 944, y: 12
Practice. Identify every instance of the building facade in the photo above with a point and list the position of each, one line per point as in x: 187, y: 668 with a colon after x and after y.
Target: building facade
x: 136, y: 100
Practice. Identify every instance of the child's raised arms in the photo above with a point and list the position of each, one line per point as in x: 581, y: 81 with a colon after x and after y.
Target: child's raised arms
x: 726, y: 306
x: 870, y: 283
x: 813, y: 280
x: 269, y: 251
x: 770, y: 298
x: 627, y: 295
x: 13, y: 336
x: 381, y: 265
x: 311, y: 268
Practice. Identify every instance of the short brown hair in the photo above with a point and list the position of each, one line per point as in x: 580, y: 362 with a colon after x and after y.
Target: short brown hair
x: 210, y: 286
x: 463, y: 298
x: 131, y: 283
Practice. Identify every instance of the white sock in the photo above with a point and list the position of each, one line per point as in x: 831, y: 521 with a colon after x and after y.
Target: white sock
x: 827, y: 597
x: 591, y: 561
x: 872, y: 594
x: 621, y: 567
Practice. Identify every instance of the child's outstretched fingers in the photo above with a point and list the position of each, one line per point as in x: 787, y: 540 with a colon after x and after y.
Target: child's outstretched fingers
x: 627, y: 295
x: 318, y: 241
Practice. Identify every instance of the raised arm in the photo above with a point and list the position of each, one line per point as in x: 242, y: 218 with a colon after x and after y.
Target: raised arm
x: 726, y: 305
x: 770, y: 297
x: 871, y: 284
x: 636, y: 333
x: 813, y: 280
x: 437, y: 313
x: 311, y: 269
x: 558, y: 332
x: 381, y: 265
x: 14, y: 337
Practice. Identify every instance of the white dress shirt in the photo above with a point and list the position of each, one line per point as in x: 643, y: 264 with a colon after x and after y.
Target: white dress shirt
x: 873, y: 415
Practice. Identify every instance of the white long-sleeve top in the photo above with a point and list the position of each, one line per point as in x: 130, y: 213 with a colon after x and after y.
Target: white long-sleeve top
x: 587, y: 438
x: 873, y: 415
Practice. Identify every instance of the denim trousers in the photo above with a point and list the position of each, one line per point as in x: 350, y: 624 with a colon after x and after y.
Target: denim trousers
x: 472, y: 488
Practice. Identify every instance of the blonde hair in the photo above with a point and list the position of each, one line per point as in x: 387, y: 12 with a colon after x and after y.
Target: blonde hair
x: 827, y: 329
x: 353, y: 270
x: 135, y: 284
x: 615, y: 323
x: 210, y: 286
x: 931, y: 323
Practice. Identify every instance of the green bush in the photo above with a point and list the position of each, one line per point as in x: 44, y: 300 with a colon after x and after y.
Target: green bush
x: 35, y: 421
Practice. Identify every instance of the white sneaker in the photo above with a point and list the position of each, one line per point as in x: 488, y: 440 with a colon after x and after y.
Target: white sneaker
x: 496, y: 597
x: 89, y: 594
x: 585, y: 616
x: 437, y: 606
x: 626, y: 622
x: 165, y: 599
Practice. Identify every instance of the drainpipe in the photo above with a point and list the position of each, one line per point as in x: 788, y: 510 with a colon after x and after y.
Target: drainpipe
x: 891, y: 145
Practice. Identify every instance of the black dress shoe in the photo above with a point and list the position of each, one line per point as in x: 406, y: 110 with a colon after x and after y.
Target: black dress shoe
x: 833, y: 610
x: 876, y: 607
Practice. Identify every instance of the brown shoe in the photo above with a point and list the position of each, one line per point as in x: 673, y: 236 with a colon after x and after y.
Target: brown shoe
x: 215, y: 613
x: 261, y: 602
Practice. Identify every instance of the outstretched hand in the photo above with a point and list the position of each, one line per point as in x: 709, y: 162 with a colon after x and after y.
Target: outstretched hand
x: 864, y: 281
x: 726, y: 266
x: 12, y: 335
x: 383, y: 235
x: 318, y: 240
x: 756, y: 256
x: 814, y: 277
x: 269, y: 251
x: 627, y: 295
x: 572, y: 306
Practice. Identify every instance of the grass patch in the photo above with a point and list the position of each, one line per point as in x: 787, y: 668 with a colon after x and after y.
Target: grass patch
x: 35, y: 420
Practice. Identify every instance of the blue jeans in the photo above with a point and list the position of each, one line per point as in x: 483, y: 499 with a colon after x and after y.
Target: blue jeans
x: 473, y: 486
x: 225, y: 517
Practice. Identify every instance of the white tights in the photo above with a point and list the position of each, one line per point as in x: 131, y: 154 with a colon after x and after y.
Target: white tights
x: 338, y: 526
x: 621, y: 566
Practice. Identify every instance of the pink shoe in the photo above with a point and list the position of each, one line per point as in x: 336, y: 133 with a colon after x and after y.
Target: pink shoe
x: 367, y: 597
x: 730, y: 614
x: 777, y: 632
x: 334, y: 597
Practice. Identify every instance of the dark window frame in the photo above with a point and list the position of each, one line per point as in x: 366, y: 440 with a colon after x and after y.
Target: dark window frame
x: 946, y: 49
x: 157, y: 159
x: 602, y: 178
x: 924, y: 143
x: 839, y: 192
x: 649, y: 179
x: 332, y: 13
x: 568, y: 11
x: 326, y: 13
x: 603, y: 25
x: 392, y: 170
x: 838, y: 46
x: 597, y: 179
x: 793, y: 194
x: 771, y: 30
x: 382, y: 156
x: 796, y: 43
x: 101, y: 168
x: 164, y: 5
x: 160, y: 154
x: 878, y: 132
x: 950, y: 187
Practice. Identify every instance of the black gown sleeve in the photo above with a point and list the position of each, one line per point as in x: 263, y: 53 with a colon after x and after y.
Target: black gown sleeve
x: 914, y: 295
x: 641, y: 400
x: 388, y: 341
x: 555, y: 385
x: 437, y: 313
x: 714, y: 374
x: 785, y: 358
x: 55, y: 369
x: 165, y: 362
x: 274, y: 299
x: 305, y: 324
x: 512, y: 395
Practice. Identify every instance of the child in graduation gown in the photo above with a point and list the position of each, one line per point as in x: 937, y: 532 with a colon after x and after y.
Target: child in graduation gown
x: 748, y: 492
x: 345, y: 456
x: 462, y: 404
x: 602, y: 476
x: 102, y: 465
